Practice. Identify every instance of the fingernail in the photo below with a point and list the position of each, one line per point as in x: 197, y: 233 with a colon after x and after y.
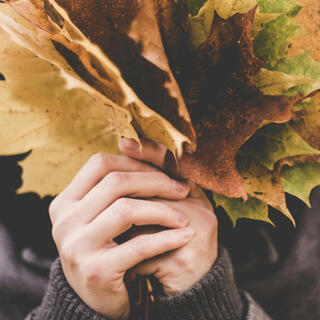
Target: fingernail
x: 187, y: 232
x: 180, y: 186
x: 129, y: 144
x: 182, y: 218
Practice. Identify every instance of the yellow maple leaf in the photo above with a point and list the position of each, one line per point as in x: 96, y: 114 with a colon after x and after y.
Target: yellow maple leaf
x: 45, y: 106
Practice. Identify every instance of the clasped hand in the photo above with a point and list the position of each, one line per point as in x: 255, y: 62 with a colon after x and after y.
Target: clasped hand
x: 106, y: 198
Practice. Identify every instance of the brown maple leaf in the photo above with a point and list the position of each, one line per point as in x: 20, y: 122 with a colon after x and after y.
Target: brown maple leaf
x: 226, y: 107
x: 128, y: 33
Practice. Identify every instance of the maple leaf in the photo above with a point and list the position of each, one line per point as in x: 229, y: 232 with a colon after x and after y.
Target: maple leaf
x: 299, y: 179
x: 128, y: 33
x: 300, y: 76
x: 236, y: 208
x: 47, y: 107
x: 307, y: 122
x: 217, y: 82
x: 60, y: 117
x: 263, y: 184
x: 229, y: 110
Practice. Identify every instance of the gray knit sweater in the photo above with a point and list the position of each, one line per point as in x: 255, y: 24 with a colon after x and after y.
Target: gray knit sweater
x: 215, y: 297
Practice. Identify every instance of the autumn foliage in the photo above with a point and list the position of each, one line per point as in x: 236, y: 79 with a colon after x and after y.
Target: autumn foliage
x: 229, y: 87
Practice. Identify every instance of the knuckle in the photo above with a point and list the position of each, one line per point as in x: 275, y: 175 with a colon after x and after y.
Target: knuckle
x: 68, y: 252
x: 124, y: 215
x: 123, y: 205
x: 92, y: 273
x: 56, y: 233
x: 116, y: 178
x: 186, y: 262
x: 53, y: 208
x: 99, y: 161
x: 142, y: 247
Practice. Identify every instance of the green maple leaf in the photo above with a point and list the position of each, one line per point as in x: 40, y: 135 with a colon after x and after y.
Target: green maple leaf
x: 273, y: 40
x: 302, y: 66
x: 300, y: 179
x: 236, y: 208
x: 279, y: 6
x: 275, y: 142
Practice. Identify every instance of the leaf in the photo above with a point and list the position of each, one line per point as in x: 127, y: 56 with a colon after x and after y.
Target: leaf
x: 200, y: 24
x: 35, y: 115
x: 202, y: 14
x: 260, y: 20
x: 228, y: 8
x: 301, y: 66
x: 225, y: 105
x: 303, y: 105
x: 194, y: 6
x: 218, y: 81
x: 139, y: 47
x: 276, y: 83
x: 237, y: 209
x: 307, y: 123
x: 263, y: 184
x: 299, y: 179
x: 279, y: 6
x: 273, y: 40
x: 102, y: 70
x: 275, y: 142
x: 308, y: 18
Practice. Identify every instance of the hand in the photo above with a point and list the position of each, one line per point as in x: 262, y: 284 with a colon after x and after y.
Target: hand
x: 93, y: 210
x: 180, y: 269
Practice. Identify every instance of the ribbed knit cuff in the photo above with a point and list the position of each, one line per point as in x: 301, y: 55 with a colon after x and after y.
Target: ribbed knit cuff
x: 61, y: 302
x: 214, y: 297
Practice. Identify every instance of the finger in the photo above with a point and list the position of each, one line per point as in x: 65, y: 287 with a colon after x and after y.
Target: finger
x: 125, y: 212
x: 151, y: 152
x: 145, y: 247
x: 117, y: 185
x: 97, y: 167
x: 146, y: 268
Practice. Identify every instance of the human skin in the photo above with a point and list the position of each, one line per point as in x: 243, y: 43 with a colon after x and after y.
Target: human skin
x: 179, y: 269
x: 107, y: 197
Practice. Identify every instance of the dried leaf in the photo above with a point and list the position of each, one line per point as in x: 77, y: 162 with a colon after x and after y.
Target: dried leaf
x: 226, y: 107
x: 134, y: 29
x: 45, y: 106
x: 42, y: 107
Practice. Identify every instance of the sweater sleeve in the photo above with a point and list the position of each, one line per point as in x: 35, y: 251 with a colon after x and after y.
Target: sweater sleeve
x: 214, y: 297
x: 61, y: 302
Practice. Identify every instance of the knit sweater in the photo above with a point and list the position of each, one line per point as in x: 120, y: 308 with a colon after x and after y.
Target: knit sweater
x: 277, y: 274
x: 214, y: 297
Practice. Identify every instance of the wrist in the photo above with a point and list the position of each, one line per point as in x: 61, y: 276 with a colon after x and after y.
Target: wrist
x: 190, y: 275
x: 215, y: 296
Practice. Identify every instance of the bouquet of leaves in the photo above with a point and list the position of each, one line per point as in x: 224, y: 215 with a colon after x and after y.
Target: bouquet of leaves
x: 228, y: 86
